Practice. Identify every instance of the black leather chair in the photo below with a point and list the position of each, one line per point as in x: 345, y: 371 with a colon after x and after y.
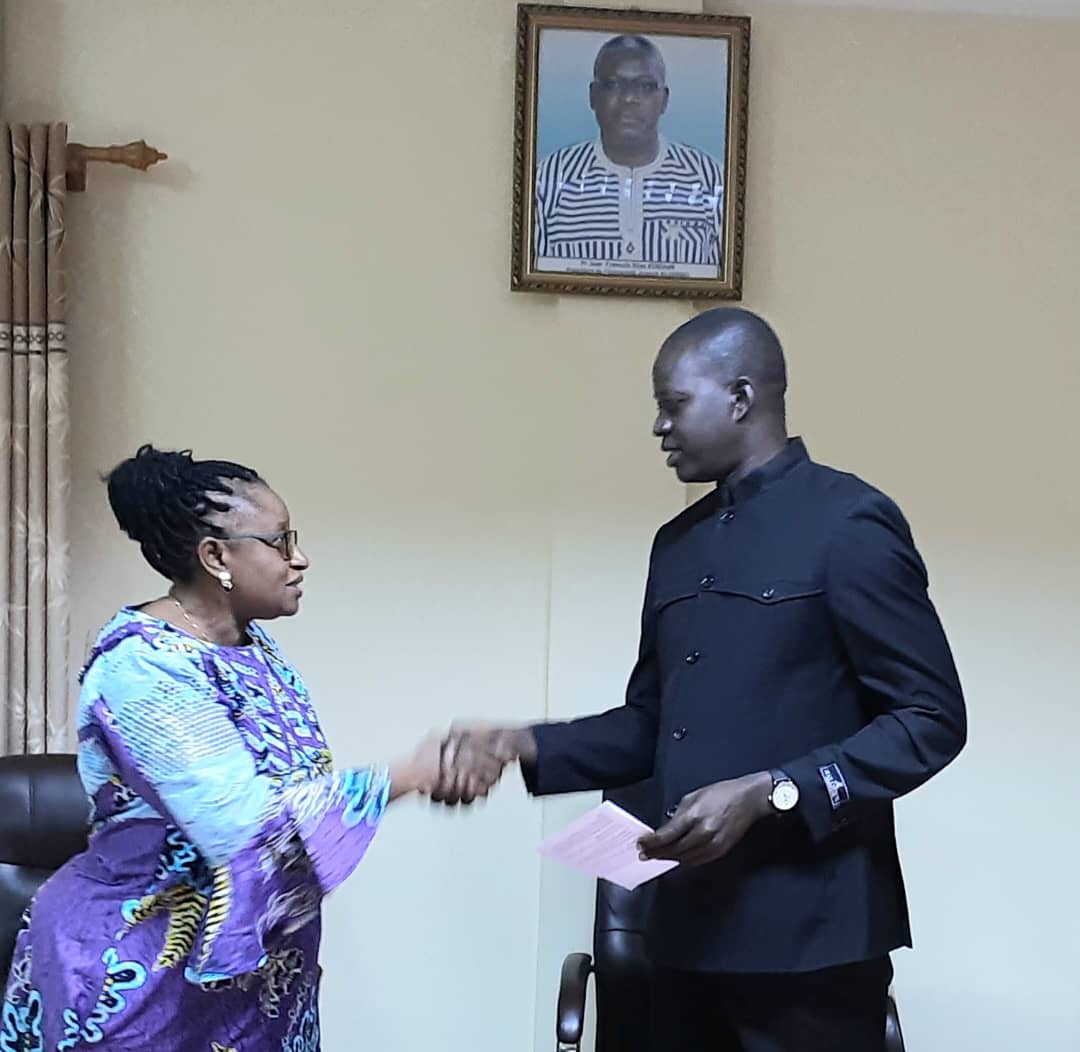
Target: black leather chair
x: 620, y: 968
x: 619, y: 964
x: 43, y: 822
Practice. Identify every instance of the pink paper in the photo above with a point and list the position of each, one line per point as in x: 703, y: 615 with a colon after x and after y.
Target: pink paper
x: 603, y: 843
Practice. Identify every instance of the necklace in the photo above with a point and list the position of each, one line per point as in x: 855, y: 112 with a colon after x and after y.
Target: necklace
x: 199, y: 633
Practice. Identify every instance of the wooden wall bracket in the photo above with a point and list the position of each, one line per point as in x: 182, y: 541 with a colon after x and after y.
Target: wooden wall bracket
x: 133, y: 155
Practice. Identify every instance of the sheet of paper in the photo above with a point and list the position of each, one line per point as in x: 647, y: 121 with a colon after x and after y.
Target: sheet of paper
x: 603, y: 843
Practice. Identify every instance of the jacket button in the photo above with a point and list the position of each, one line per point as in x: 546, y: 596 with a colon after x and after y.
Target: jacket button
x: 727, y: 516
x: 670, y: 812
x: 693, y: 657
x: 708, y: 581
x: 768, y: 593
x: 679, y: 733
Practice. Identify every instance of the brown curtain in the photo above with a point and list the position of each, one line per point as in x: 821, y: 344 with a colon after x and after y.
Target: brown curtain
x: 33, y: 441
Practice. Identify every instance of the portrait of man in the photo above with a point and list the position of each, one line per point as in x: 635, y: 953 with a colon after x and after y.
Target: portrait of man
x: 633, y: 199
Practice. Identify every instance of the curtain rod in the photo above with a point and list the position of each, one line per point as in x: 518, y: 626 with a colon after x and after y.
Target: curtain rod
x: 133, y: 155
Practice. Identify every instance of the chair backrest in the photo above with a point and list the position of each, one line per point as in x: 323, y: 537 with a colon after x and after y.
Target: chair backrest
x: 44, y: 817
x: 622, y: 972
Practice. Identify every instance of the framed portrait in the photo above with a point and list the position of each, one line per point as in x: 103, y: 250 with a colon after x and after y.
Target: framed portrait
x: 630, y: 152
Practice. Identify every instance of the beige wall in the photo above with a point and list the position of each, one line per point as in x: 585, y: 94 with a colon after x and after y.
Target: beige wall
x: 316, y: 283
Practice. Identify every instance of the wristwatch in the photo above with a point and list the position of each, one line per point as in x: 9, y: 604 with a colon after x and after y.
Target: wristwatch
x: 785, y: 793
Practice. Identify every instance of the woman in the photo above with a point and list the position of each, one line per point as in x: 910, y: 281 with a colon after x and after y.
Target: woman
x: 218, y: 824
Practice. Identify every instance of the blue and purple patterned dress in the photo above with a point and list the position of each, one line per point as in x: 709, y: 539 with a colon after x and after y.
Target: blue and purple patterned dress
x: 191, y: 923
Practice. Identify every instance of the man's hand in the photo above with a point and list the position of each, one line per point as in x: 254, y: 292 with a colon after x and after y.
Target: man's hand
x: 474, y: 757
x: 709, y: 822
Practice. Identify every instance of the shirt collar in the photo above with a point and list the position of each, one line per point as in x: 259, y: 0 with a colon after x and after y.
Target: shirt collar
x: 791, y: 456
x: 604, y: 161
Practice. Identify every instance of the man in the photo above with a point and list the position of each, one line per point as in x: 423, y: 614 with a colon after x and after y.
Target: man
x: 793, y: 680
x: 630, y: 196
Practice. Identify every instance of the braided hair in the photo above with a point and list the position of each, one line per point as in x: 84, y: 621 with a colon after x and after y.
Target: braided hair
x: 166, y: 500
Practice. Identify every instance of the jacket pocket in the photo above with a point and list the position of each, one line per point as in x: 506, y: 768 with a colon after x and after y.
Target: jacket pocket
x: 769, y: 591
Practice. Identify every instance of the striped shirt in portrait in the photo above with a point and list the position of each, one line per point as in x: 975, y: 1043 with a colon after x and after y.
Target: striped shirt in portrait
x: 590, y: 210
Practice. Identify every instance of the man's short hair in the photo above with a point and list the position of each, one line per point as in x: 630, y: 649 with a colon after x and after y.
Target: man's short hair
x: 733, y: 342
x: 630, y: 42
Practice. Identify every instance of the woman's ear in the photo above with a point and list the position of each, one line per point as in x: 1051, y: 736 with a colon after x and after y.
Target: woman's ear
x: 213, y: 556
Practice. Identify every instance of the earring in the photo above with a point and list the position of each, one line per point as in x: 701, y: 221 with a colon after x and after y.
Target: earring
x: 226, y: 580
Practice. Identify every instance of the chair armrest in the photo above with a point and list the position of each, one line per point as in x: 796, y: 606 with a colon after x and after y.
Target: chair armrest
x: 573, y: 984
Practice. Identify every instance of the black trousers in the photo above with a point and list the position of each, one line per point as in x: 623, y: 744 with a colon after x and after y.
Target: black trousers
x: 834, y: 1010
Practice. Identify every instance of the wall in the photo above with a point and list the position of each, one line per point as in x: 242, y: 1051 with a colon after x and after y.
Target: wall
x: 315, y: 282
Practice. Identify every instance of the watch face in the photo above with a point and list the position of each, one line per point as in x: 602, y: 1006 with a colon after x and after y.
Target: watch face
x: 785, y: 796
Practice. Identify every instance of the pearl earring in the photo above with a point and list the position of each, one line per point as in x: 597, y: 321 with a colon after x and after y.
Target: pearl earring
x: 226, y: 580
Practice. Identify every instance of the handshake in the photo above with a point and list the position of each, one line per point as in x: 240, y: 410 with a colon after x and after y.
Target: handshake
x: 465, y: 764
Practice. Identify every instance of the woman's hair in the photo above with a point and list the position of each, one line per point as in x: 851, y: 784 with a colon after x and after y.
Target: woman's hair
x: 165, y: 500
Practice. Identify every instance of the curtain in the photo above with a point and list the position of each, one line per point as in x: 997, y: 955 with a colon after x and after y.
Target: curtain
x: 34, y: 687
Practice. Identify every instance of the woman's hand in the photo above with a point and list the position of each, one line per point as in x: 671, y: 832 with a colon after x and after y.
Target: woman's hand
x: 418, y: 773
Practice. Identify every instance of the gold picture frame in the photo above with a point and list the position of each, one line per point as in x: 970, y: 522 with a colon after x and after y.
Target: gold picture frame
x: 653, y: 203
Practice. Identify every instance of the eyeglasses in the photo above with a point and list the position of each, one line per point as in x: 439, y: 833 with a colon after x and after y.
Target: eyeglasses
x: 645, y: 87
x: 285, y: 541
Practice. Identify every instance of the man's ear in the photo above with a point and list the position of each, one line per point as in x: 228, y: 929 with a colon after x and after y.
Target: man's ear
x: 742, y: 398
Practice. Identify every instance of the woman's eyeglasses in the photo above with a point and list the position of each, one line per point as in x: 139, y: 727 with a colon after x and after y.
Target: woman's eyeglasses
x: 284, y: 541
